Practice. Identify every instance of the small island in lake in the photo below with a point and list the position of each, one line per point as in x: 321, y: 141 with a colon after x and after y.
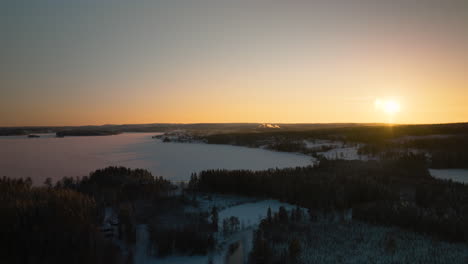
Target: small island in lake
x: 33, y: 136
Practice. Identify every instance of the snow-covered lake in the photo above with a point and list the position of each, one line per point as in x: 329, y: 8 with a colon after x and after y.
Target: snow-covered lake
x: 53, y: 157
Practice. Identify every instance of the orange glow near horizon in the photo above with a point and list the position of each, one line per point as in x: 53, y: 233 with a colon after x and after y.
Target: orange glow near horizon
x: 284, y: 63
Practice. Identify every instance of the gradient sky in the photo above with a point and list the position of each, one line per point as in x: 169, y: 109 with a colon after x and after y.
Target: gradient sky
x: 114, y: 62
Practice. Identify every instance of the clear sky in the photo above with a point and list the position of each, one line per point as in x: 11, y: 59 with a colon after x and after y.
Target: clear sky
x: 113, y: 62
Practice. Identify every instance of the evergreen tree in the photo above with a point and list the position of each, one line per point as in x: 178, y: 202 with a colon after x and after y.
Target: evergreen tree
x: 294, y: 249
x: 214, y: 218
x: 269, y: 215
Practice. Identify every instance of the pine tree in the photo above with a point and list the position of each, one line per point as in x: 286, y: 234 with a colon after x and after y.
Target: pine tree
x: 283, y: 214
x: 294, y: 249
x: 269, y: 215
x: 214, y: 218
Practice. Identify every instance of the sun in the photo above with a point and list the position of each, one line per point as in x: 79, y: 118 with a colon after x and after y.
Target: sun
x: 390, y: 107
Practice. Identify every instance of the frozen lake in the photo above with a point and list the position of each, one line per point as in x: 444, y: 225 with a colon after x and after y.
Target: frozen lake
x: 53, y: 157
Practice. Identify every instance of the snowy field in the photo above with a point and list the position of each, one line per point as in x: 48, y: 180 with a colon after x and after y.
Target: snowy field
x: 346, y: 153
x: 321, y: 143
x: 458, y: 175
x: 339, y: 151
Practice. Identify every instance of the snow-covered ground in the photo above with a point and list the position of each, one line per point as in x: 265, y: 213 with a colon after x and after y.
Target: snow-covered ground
x: 250, y: 214
x: 365, y: 243
x: 110, y: 230
x: 346, y: 153
x: 321, y: 143
x: 458, y: 175
x: 248, y: 211
x: 339, y: 151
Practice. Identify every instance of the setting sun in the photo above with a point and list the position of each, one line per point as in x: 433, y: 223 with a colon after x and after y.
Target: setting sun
x: 390, y: 107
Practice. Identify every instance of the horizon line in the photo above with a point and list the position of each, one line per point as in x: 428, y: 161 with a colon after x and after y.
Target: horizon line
x: 236, y: 123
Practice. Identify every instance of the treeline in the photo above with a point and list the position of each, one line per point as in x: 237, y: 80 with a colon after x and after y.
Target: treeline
x: 114, y: 185
x: 194, y: 236
x: 446, y: 144
x: 329, y: 185
x: 81, y: 132
x: 442, y: 151
x: 361, y: 134
x: 277, y: 229
x: 399, y: 192
x: 295, y: 236
x: 50, y: 225
x: 447, y: 152
x: 61, y: 222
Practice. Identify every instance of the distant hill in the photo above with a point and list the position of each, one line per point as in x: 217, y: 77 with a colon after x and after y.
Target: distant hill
x: 209, y: 128
x: 76, y: 133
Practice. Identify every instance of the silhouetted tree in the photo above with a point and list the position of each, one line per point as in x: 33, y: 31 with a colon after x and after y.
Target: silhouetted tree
x: 214, y: 218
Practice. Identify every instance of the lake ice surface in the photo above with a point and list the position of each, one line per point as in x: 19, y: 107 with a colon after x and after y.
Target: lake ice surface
x: 53, y: 157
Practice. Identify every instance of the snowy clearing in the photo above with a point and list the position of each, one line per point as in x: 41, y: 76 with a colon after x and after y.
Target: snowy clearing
x: 247, y: 210
x: 458, y: 175
x: 346, y: 153
x: 321, y: 143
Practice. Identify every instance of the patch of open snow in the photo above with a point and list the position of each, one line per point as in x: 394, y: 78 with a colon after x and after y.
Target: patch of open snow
x: 346, y: 153
x: 320, y: 143
x: 248, y: 212
x: 249, y: 215
x: 141, y: 254
x: 339, y: 151
x: 458, y: 175
x: 221, y: 201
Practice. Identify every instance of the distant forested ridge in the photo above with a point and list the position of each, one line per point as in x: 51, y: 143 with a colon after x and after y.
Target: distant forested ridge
x: 68, y: 133
x: 364, y: 134
x: 444, y: 144
x: 396, y: 192
x: 314, y: 130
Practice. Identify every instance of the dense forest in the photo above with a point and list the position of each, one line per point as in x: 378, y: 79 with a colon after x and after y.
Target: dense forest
x: 363, y: 134
x: 299, y: 236
x: 445, y: 151
x: 60, y: 223
x: 50, y: 225
x: 396, y: 192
